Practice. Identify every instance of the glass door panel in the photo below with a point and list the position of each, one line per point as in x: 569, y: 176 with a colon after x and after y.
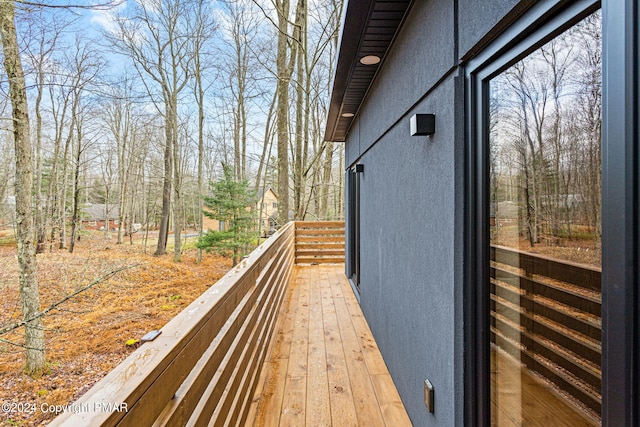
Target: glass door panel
x: 545, y: 233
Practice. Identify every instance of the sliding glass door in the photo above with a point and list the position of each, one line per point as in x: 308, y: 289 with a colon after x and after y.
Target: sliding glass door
x: 544, y: 228
x: 552, y: 225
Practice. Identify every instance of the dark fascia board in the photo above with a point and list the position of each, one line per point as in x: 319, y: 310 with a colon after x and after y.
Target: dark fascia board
x: 356, y: 16
x: 358, y: 23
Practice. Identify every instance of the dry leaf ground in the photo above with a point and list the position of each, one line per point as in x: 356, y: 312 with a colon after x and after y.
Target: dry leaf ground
x: 86, y: 337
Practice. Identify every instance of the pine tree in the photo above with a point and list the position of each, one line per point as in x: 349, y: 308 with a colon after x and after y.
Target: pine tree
x: 234, y: 203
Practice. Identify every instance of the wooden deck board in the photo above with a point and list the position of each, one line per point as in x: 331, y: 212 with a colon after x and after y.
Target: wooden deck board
x: 343, y: 410
x: 335, y: 375
x: 318, y: 408
x: 293, y: 411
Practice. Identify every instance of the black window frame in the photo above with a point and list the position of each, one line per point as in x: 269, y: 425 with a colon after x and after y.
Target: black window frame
x: 353, y: 228
x: 540, y: 23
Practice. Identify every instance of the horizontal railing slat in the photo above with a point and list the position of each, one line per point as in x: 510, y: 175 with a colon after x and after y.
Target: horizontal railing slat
x: 587, y: 303
x: 556, y: 314
x: 320, y: 232
x: 302, y: 225
x: 319, y: 239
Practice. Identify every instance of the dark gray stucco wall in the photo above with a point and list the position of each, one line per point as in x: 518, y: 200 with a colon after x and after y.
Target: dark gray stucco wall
x: 412, y: 204
x: 408, y: 241
x: 477, y: 18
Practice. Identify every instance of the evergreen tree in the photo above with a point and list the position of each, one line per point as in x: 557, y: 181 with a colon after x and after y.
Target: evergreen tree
x: 234, y: 203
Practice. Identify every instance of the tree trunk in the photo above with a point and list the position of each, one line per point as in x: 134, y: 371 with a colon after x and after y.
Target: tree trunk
x: 326, y: 181
x: 266, y: 143
x: 200, y: 100
x: 298, y: 158
x: 163, y: 233
x: 62, y: 191
x: 40, y: 218
x: 75, y: 219
x: 282, y: 116
x: 29, y: 294
x: 177, y: 204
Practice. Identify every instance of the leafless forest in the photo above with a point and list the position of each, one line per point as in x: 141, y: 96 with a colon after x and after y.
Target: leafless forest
x: 139, y: 104
x: 136, y: 105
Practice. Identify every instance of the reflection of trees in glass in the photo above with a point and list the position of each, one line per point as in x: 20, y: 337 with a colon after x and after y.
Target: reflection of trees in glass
x: 545, y: 143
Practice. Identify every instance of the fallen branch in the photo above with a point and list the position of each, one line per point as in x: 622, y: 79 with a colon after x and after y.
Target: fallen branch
x: 2, y: 340
x: 55, y: 305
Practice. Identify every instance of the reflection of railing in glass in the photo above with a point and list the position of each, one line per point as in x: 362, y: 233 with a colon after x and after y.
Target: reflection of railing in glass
x: 545, y: 198
x: 546, y: 314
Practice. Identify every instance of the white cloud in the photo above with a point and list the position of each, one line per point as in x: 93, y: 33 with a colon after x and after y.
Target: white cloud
x: 106, y: 18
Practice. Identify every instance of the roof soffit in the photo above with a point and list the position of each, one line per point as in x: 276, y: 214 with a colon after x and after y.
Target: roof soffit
x: 369, y: 28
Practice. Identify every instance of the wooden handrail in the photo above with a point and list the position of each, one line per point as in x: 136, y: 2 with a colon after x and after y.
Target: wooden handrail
x: 207, y: 361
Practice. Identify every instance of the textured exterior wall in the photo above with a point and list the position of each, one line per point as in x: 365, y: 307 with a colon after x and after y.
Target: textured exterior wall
x: 412, y: 203
x: 477, y: 18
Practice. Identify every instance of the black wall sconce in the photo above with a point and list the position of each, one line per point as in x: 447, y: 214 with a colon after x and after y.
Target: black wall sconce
x: 423, y: 124
x: 359, y: 168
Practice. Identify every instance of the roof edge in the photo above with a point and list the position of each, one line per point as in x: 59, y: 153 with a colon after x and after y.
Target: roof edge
x: 356, y: 16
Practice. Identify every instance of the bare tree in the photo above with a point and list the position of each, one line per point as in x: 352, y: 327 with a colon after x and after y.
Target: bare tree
x: 155, y: 37
x: 546, y: 136
x: 43, y: 33
x: 29, y: 294
x: 301, y: 51
x: 86, y: 67
x: 285, y: 61
x: 203, y: 30
x: 59, y: 95
x: 127, y: 124
x: 6, y: 175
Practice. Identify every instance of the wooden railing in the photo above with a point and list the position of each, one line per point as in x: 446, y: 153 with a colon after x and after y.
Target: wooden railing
x: 206, y: 363
x: 204, y: 367
x: 547, y: 314
x: 319, y: 242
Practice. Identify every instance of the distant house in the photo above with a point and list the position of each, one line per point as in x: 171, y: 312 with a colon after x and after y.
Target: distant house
x: 266, y: 208
x: 210, y: 223
x: 97, y: 216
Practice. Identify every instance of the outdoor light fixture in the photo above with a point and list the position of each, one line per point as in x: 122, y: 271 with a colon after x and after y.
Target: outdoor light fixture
x: 359, y: 168
x: 423, y: 124
x: 370, y: 60
x: 347, y: 114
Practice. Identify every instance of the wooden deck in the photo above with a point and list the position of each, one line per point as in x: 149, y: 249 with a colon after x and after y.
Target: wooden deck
x: 324, y: 367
